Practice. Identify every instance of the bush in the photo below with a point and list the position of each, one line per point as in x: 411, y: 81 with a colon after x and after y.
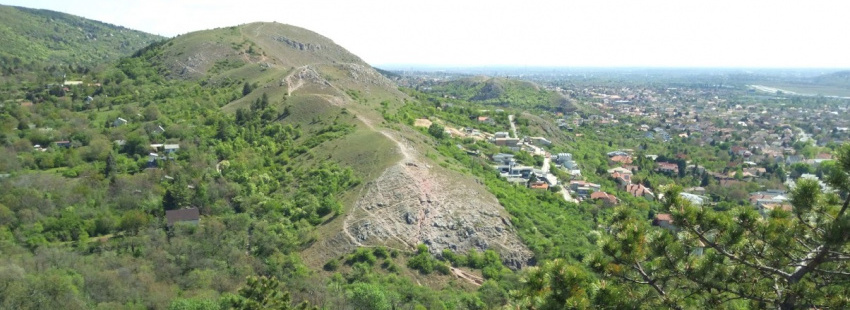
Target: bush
x: 331, y: 265
x: 381, y: 252
x: 362, y: 255
x: 436, y: 130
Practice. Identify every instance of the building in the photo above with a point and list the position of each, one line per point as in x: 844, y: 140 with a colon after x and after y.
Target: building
x: 694, y: 199
x: 119, y: 122
x: 64, y: 143
x: 666, y: 167
x: 663, y: 220
x: 538, y: 185
x: 504, y: 159
x: 509, y: 142
x: 607, y: 199
x: 540, y: 141
x: 638, y: 190
x: 190, y: 215
x: 171, y: 148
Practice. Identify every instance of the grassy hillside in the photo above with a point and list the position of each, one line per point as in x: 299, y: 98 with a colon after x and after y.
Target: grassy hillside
x: 58, y: 38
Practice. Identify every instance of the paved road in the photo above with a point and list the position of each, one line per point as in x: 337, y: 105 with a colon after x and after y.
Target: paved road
x: 566, y: 194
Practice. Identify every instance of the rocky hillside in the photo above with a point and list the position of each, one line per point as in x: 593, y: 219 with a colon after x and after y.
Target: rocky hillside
x: 42, y: 35
x: 405, y: 198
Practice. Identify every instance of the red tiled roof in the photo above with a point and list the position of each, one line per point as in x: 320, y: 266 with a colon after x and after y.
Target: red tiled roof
x: 622, y: 159
x: 664, y: 217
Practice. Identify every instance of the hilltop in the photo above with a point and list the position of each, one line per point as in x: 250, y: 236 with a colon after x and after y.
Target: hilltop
x: 315, y: 79
x: 32, y: 35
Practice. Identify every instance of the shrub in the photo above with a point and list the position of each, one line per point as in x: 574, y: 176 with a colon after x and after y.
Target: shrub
x: 331, y: 265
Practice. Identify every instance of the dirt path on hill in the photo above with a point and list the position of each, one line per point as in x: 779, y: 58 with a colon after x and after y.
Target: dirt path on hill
x: 290, y: 86
x: 476, y: 280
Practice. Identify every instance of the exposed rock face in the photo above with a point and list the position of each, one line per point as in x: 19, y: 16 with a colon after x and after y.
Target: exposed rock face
x: 411, y: 204
x: 299, y: 45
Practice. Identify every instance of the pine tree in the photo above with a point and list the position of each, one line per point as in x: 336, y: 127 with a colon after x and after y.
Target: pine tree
x: 785, y: 258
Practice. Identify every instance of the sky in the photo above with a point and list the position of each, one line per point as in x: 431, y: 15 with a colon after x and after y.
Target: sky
x: 532, y: 33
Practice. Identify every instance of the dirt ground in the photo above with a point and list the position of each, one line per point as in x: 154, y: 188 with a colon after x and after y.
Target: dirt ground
x: 422, y: 122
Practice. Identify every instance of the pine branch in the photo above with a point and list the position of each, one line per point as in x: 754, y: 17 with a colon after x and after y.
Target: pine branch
x: 761, y: 267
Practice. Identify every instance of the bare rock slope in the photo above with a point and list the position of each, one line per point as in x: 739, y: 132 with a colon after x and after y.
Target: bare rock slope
x: 413, y: 202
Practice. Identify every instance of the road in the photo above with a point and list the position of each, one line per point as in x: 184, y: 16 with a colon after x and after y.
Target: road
x: 513, y: 126
x: 546, y: 161
x: 566, y: 195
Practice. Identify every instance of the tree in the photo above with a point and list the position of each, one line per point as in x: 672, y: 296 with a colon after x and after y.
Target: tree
x: 368, y: 296
x: 555, y: 285
x: 133, y: 221
x: 136, y: 145
x: 436, y: 130
x: 783, y: 259
x: 262, y: 293
x: 246, y: 89
x: 110, y: 168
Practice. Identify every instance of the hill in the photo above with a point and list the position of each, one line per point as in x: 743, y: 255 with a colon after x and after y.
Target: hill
x: 837, y: 79
x: 57, y: 38
x: 317, y: 80
x: 285, y: 147
x: 503, y: 92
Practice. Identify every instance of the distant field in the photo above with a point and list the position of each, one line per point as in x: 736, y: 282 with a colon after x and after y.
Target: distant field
x: 812, y: 90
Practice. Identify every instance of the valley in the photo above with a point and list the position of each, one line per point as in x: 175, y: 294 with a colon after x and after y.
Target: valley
x: 263, y: 165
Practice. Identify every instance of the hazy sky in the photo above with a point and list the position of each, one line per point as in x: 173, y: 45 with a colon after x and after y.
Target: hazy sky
x: 673, y: 33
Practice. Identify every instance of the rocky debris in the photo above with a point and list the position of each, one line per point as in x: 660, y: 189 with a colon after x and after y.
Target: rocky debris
x: 298, y: 45
x: 418, y: 205
x: 368, y: 75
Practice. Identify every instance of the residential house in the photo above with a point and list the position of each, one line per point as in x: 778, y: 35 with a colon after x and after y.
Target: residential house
x: 119, y: 122
x: 501, y: 134
x: 663, y: 220
x: 64, y: 143
x: 583, y: 188
x: 562, y: 157
x: 190, y: 215
x: 538, y: 185
x: 638, y: 190
x: 509, y: 142
x: 621, y: 175
x: 607, y: 199
x: 504, y: 159
x: 523, y: 172
x: 540, y: 141
x: 621, y: 159
x: 170, y: 148
x: 667, y: 167
x: 486, y: 120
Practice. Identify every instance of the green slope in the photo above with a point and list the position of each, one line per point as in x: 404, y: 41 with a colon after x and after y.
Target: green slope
x: 503, y: 92
x: 59, y: 38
